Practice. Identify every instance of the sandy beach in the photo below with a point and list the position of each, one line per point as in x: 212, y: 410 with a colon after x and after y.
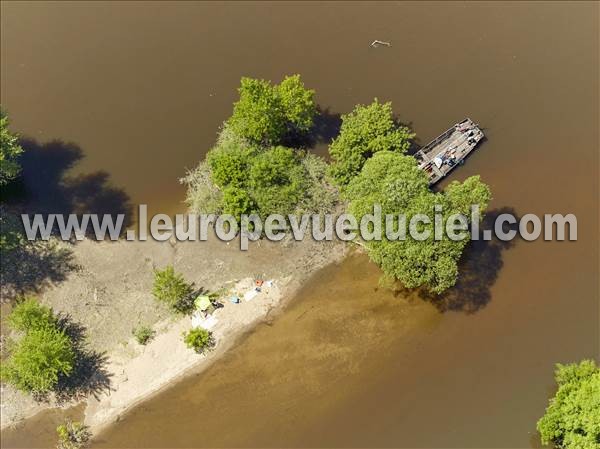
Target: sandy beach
x: 108, y: 292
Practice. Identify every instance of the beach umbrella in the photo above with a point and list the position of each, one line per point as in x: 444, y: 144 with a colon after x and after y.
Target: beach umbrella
x: 202, y: 302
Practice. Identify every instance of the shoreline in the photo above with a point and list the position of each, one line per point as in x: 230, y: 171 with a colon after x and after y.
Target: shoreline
x: 99, y: 415
x: 133, y: 368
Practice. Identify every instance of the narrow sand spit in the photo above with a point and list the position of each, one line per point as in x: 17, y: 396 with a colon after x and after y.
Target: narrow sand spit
x: 109, y: 292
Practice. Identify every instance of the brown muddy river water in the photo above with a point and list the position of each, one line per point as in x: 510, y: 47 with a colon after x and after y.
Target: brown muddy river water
x: 142, y: 87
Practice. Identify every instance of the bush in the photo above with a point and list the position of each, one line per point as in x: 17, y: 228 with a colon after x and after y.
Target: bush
x: 572, y: 420
x: 203, y: 196
x: 143, y: 334
x: 9, y: 152
x: 237, y: 201
x: 319, y: 196
x: 39, y: 359
x: 229, y: 162
x: 198, y: 339
x: 72, y: 435
x: 30, y: 314
x: 171, y: 289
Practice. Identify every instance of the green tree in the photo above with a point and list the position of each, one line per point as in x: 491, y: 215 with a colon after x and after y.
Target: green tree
x: 297, y: 103
x: 9, y: 151
x: 365, y: 131
x: 171, y: 289
x: 229, y: 163
x: 39, y: 359
x: 237, y: 201
x: 198, y: 339
x: 396, y: 183
x: 572, y: 420
x: 277, y: 181
x: 258, y: 114
x: 30, y: 314
x: 469, y: 192
x: 265, y: 113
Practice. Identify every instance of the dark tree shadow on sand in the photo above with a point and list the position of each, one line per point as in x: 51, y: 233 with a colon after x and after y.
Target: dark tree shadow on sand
x: 478, y: 268
x: 45, y: 187
x: 90, y: 376
x: 34, y: 266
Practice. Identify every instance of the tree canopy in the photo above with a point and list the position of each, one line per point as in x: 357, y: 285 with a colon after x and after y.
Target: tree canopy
x: 250, y: 179
x: 395, y: 182
x: 30, y: 314
x: 365, y: 131
x: 43, y: 355
x: 572, y: 420
x: 9, y: 151
x: 265, y: 113
x: 277, y: 181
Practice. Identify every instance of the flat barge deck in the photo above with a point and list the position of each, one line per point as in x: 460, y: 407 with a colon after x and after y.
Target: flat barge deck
x: 440, y: 156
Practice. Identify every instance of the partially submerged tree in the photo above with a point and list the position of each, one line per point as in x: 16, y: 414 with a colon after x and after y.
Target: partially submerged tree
x: 365, y: 131
x: 73, y: 435
x: 396, y: 183
x: 572, y: 420
x: 297, y: 103
x: 264, y: 114
x: 9, y: 151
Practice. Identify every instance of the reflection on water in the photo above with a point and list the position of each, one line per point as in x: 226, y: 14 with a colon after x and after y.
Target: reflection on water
x: 142, y: 88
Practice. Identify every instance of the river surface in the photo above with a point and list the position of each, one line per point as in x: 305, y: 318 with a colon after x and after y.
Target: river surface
x: 142, y: 88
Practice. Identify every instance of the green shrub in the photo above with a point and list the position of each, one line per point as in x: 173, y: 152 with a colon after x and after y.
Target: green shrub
x: 30, y: 314
x: 237, y: 201
x: 11, y: 233
x: 229, y: 162
x: 143, y: 334
x: 39, y: 359
x: 9, y: 152
x: 572, y: 420
x: 198, y: 339
x: 319, y: 196
x: 72, y: 435
x: 171, y: 289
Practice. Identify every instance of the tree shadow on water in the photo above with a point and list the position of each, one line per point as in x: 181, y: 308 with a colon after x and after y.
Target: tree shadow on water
x: 89, y: 376
x: 325, y: 128
x: 478, y: 269
x: 47, y: 188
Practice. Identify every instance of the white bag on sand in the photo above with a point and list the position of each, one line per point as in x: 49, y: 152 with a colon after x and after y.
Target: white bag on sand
x: 250, y: 295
